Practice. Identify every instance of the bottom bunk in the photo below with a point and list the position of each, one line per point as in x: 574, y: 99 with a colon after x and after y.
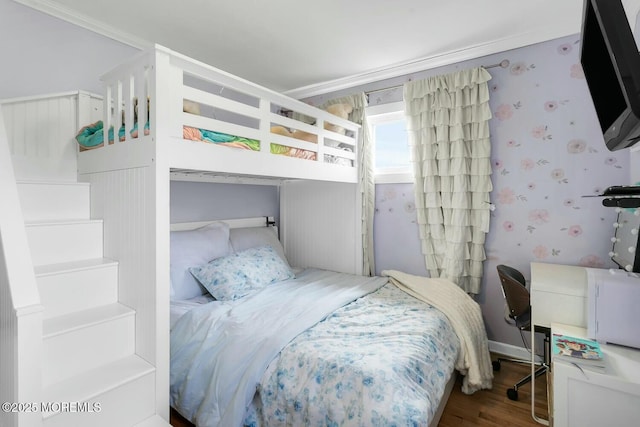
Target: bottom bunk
x: 285, y: 346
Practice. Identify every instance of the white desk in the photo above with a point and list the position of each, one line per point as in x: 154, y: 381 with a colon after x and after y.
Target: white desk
x: 559, y: 301
x: 558, y: 294
x: 594, y: 397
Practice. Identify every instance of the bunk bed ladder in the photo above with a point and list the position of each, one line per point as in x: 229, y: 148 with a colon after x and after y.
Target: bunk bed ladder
x: 69, y: 350
x: 90, y: 372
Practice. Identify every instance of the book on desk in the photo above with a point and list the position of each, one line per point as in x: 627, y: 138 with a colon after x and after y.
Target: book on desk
x: 581, y: 351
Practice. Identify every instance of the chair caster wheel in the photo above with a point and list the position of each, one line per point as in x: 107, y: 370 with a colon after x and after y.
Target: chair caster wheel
x: 496, y: 365
x: 512, y: 394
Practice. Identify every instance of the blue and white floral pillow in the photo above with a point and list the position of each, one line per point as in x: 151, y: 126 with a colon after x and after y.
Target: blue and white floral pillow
x: 237, y: 275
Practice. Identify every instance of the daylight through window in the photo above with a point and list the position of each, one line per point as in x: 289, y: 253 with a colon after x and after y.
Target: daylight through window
x: 389, y: 139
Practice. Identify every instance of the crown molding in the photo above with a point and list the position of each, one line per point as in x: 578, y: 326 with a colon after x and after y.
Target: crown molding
x: 423, y: 64
x: 58, y: 11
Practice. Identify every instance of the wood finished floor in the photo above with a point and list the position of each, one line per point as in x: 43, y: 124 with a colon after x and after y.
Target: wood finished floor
x: 493, y: 407
x: 483, y: 408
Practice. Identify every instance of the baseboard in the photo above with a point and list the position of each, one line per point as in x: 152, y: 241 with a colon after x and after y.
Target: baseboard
x: 509, y: 350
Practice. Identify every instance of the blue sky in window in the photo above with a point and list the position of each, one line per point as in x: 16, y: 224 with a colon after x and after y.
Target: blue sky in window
x: 392, y: 148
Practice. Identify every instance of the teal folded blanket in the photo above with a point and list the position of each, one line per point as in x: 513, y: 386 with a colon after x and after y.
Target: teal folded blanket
x: 92, y: 135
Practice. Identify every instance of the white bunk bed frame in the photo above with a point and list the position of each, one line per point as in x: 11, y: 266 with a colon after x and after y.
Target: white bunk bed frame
x: 320, y: 203
x: 159, y: 75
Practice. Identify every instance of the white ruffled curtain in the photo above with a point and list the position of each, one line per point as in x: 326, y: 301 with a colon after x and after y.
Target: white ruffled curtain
x: 448, y: 127
x: 366, y: 176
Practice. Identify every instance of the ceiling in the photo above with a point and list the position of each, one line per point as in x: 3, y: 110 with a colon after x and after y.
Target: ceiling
x: 297, y: 45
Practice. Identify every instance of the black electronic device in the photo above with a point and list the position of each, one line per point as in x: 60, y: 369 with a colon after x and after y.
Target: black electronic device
x: 611, y: 63
x: 622, y: 191
x: 622, y: 202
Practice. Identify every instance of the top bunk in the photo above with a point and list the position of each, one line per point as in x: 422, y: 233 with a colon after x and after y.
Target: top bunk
x: 201, y: 121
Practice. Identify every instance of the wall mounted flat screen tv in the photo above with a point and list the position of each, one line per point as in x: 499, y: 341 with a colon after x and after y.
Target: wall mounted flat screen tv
x: 611, y: 63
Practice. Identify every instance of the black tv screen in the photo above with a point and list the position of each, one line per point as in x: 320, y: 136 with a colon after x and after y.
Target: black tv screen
x: 611, y: 63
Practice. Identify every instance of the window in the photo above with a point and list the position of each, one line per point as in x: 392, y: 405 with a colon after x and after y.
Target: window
x: 390, y: 145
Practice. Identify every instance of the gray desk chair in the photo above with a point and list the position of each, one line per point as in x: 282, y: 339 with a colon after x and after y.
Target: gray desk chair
x: 518, y: 303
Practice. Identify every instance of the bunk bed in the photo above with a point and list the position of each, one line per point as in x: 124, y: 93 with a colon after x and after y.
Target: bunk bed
x: 139, y: 147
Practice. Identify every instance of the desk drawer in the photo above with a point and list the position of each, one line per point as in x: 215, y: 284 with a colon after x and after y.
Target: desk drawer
x: 589, y: 398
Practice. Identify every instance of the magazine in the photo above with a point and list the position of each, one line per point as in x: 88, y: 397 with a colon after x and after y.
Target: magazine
x: 577, y: 350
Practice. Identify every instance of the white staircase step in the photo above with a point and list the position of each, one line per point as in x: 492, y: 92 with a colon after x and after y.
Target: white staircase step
x: 121, y: 393
x: 91, y: 375
x: 154, y: 421
x: 74, y: 286
x: 43, y: 201
x: 81, y: 341
x: 56, y: 242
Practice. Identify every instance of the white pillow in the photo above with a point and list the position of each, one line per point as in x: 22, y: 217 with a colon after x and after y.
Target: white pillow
x: 193, y: 248
x: 251, y: 237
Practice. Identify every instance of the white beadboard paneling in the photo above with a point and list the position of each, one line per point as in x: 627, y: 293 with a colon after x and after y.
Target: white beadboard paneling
x: 8, y: 336
x: 41, y: 134
x: 134, y: 207
x: 124, y: 201
x: 321, y: 225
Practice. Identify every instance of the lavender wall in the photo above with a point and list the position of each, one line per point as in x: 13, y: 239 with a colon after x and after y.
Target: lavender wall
x: 42, y: 54
x: 200, y: 201
x: 395, y: 230
x: 547, y: 152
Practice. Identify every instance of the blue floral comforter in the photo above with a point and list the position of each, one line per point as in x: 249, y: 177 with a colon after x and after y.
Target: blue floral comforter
x: 368, y: 355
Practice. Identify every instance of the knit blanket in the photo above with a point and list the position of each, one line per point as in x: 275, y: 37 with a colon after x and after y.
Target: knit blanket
x: 474, y: 360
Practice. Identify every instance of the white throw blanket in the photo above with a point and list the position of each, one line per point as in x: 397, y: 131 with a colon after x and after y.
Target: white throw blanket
x: 474, y: 360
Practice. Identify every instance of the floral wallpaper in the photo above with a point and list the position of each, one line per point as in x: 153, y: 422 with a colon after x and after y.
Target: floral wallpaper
x: 395, y: 230
x: 548, y: 154
x: 548, y: 158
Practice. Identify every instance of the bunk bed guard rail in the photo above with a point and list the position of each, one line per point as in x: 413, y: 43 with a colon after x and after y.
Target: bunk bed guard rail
x: 196, y: 112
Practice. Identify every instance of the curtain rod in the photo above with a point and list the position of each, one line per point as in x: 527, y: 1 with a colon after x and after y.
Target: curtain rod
x: 502, y: 64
